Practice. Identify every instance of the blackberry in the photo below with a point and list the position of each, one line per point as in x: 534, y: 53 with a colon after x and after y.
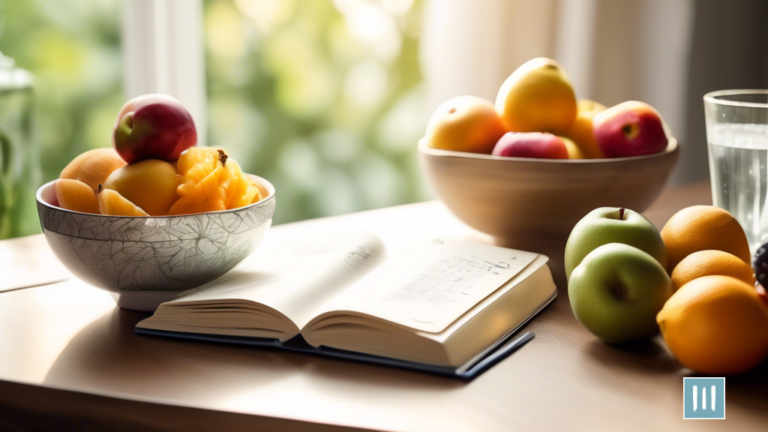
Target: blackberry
x: 760, y: 264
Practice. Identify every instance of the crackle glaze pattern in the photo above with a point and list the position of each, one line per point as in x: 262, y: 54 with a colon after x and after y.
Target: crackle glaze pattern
x: 154, y: 253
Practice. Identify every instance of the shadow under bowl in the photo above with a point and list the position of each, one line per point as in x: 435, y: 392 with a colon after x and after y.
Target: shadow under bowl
x: 532, y: 204
x: 144, y: 261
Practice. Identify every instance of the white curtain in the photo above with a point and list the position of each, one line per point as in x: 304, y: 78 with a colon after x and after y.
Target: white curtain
x: 613, y: 50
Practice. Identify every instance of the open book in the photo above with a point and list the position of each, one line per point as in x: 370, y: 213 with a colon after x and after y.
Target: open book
x: 438, y: 302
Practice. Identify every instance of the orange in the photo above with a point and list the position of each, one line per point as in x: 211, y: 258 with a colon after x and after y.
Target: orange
x: 465, y: 123
x: 701, y: 228
x: 111, y: 203
x: 716, y: 325
x: 93, y: 167
x: 150, y: 184
x: 212, y: 182
x: 76, y: 196
x: 711, y: 262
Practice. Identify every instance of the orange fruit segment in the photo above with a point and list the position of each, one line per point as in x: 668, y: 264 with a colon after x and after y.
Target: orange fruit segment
x: 111, y: 203
x: 76, y: 196
x: 93, y: 167
x: 212, y: 182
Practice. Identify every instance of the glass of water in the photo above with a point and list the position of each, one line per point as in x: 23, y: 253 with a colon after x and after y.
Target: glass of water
x: 737, y: 136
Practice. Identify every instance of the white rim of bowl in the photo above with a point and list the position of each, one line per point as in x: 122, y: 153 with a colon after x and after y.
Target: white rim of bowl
x: 672, y: 146
x: 263, y: 184
x: 713, y: 97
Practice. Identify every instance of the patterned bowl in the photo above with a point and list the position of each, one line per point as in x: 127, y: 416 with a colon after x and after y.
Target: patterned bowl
x: 144, y: 261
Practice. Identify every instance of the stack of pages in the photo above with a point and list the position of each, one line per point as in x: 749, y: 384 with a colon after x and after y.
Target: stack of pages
x: 444, y: 306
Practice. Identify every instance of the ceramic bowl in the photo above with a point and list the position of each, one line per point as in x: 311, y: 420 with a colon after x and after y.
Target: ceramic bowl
x: 532, y: 203
x: 144, y: 261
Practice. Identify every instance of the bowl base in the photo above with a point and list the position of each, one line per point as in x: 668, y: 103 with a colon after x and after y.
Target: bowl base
x: 146, y: 301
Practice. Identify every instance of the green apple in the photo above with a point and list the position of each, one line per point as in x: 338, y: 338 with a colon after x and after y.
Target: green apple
x: 612, y: 225
x: 617, y: 291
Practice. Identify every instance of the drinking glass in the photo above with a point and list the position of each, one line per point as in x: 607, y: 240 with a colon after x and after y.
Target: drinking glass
x: 737, y: 137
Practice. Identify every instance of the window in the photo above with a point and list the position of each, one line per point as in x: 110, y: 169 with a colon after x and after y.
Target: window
x: 324, y: 98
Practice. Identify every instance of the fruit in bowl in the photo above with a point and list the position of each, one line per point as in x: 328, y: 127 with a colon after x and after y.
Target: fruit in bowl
x: 629, y: 129
x: 538, y: 98
x: 153, y: 126
x: 156, y: 216
x: 546, y: 169
x: 465, y: 123
x: 531, y: 144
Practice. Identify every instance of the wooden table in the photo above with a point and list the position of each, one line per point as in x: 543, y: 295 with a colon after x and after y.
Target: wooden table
x: 68, y: 355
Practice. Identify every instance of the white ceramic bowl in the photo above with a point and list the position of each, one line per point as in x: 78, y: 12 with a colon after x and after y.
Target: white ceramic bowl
x: 145, y: 261
x: 532, y: 204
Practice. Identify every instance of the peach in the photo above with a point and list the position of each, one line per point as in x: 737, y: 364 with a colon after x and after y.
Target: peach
x: 149, y: 184
x: 93, y: 167
x: 76, y: 196
x: 531, y: 145
x: 581, y: 131
x: 465, y: 123
x: 537, y: 97
x: 629, y: 129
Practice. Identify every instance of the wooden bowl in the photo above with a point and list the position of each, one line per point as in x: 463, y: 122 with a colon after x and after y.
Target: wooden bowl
x: 532, y: 204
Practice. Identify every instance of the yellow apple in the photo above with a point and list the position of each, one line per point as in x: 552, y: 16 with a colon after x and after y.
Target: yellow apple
x: 574, y: 152
x: 537, y: 97
x: 589, y: 105
x: 465, y: 123
x: 581, y: 131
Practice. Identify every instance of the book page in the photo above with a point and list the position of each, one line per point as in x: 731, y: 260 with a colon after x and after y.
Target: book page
x: 432, y: 282
x: 300, y: 275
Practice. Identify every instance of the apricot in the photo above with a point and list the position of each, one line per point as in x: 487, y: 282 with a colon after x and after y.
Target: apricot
x: 93, y: 167
x: 716, y: 325
x: 465, y: 123
x: 150, y: 184
x: 111, y: 203
x: 537, y: 97
x: 76, y: 196
x: 701, y: 227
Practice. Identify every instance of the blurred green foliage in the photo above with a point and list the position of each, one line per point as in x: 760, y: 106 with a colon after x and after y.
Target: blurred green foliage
x: 73, y: 49
x: 321, y: 97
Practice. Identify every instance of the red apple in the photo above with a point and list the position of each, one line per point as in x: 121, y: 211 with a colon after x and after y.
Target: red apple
x: 629, y: 129
x: 531, y: 145
x: 153, y: 126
